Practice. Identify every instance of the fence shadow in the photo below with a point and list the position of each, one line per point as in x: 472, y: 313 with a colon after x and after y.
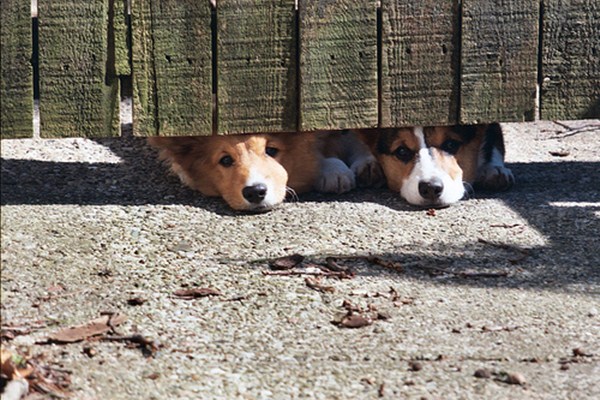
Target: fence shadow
x: 558, y: 199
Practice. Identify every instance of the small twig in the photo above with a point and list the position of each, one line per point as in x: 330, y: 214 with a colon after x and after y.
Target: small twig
x: 460, y: 274
x: 137, y: 339
x: 297, y: 272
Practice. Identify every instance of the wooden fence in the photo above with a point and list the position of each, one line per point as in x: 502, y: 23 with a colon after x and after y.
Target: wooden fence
x: 284, y: 65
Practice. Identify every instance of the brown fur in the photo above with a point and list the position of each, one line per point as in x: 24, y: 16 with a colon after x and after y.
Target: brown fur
x: 196, y: 161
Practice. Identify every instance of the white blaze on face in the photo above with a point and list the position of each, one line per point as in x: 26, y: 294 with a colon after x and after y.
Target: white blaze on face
x: 425, y: 169
x: 273, y: 197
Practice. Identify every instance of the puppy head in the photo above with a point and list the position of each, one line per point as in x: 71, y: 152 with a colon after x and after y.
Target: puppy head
x: 427, y: 166
x: 242, y: 169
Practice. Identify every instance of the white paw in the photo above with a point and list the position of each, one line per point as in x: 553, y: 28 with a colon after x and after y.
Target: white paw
x: 335, y: 177
x: 368, y: 172
x: 495, y: 177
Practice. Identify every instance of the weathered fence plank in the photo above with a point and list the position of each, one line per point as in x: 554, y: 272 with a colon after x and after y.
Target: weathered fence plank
x: 499, y: 60
x: 172, y: 67
x: 256, y: 58
x: 420, y: 62
x: 79, y: 93
x: 338, y: 64
x: 570, y: 59
x: 16, y: 87
x: 121, y: 32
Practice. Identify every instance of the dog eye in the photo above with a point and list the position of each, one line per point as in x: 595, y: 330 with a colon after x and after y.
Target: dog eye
x: 271, y: 151
x: 226, y: 161
x: 404, y: 154
x: 451, y: 146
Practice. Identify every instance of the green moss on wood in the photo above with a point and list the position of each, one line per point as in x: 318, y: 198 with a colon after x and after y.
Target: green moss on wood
x: 78, y: 86
x: 338, y: 64
x: 499, y: 60
x: 172, y: 67
x: 257, y: 71
x: 16, y: 87
x: 420, y: 58
x: 571, y: 60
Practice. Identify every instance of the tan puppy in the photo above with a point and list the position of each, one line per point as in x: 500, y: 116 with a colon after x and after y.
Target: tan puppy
x: 430, y: 166
x: 255, y: 172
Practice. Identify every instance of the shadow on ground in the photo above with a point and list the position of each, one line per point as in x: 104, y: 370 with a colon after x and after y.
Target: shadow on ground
x: 558, y: 199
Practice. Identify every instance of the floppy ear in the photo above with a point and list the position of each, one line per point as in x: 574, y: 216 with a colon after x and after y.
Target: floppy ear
x: 370, y: 137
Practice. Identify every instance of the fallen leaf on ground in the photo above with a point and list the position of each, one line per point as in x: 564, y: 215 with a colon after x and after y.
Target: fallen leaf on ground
x: 287, y: 262
x: 24, y: 374
x: 512, y: 378
x: 560, y: 153
x: 13, y: 366
x: 483, y: 373
x: 355, y: 321
x: 194, y: 293
x: 136, y: 301
x: 415, y: 365
x: 92, y: 328
x: 148, y: 347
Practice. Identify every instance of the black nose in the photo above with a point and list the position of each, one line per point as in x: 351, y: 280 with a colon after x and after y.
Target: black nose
x: 431, y: 190
x: 255, y: 193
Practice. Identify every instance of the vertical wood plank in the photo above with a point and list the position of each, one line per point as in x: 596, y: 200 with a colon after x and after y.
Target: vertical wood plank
x: 420, y: 62
x: 16, y: 86
x: 172, y: 67
x: 145, y: 112
x: 338, y: 64
x: 570, y: 59
x: 257, y: 71
x: 120, y: 27
x: 78, y: 87
x: 499, y: 60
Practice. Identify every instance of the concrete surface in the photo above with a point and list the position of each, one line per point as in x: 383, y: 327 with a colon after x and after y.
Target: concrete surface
x: 87, y: 225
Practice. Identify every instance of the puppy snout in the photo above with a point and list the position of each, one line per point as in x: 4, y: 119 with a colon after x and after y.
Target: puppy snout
x: 255, y: 193
x: 432, y: 189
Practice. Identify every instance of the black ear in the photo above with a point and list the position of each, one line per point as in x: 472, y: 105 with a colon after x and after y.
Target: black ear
x: 384, y: 141
x: 369, y: 137
x: 493, y: 139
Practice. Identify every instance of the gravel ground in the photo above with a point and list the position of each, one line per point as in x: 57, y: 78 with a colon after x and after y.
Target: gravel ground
x: 88, y: 225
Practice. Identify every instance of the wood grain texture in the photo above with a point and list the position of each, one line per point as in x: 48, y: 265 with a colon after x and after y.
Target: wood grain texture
x: 120, y: 28
x: 79, y: 94
x: 420, y: 62
x: 570, y: 59
x: 145, y: 110
x: 16, y: 86
x: 257, y: 71
x: 172, y: 67
x: 499, y: 60
x: 338, y: 64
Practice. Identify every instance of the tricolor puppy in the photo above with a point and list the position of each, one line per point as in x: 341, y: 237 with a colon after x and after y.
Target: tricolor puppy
x: 255, y: 172
x: 432, y: 166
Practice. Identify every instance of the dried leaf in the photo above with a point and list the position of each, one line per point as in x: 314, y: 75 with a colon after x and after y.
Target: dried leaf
x: 355, y: 321
x: 483, y: 373
x: 415, y: 365
x: 287, y: 262
x: 136, y: 301
x: 94, y: 327
x: 194, y: 293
